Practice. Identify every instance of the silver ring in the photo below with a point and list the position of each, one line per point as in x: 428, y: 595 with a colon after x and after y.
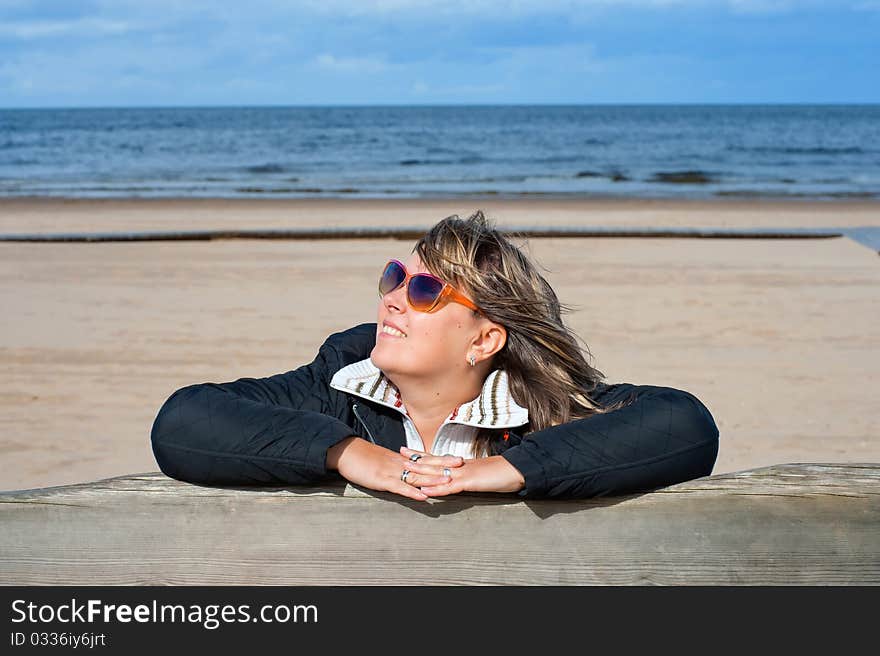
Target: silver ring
x: 447, y: 471
x: 415, y: 457
x: 404, y: 475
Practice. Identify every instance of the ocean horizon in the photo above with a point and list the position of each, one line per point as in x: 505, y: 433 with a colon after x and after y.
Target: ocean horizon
x: 693, y: 151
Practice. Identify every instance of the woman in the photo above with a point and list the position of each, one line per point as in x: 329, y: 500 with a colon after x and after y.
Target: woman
x: 468, y: 381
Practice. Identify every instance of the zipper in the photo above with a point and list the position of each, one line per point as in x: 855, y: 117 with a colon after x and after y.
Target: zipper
x: 354, y: 409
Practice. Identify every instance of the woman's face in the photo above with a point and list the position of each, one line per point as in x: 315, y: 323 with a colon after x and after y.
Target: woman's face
x: 434, y: 343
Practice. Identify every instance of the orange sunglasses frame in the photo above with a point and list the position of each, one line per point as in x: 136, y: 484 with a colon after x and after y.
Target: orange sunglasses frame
x: 447, y: 293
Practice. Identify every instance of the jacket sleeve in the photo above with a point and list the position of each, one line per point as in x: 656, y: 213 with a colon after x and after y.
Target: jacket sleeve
x: 664, y: 436
x: 254, y: 431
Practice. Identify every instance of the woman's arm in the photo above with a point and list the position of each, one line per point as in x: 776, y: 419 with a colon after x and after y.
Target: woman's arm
x: 274, y: 430
x: 664, y: 436
x: 282, y: 430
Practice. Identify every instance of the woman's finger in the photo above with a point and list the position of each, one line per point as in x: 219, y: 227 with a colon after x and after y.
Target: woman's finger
x: 452, y: 487
x: 418, y: 480
x: 428, y: 470
x: 436, y: 461
x: 408, y: 491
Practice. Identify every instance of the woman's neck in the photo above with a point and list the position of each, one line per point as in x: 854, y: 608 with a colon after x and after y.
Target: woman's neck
x: 429, y: 404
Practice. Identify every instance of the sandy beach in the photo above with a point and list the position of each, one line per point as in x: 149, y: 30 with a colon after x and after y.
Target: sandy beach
x: 779, y: 338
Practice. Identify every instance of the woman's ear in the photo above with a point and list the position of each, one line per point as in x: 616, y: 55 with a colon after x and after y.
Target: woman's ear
x: 491, y: 339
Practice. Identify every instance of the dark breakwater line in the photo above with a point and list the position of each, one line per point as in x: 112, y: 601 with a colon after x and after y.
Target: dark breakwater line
x: 414, y: 232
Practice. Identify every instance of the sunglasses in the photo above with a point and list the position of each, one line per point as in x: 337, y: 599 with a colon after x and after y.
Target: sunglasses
x: 424, y: 292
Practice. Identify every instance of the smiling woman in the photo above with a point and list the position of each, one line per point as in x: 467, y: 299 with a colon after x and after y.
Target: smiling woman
x: 468, y: 381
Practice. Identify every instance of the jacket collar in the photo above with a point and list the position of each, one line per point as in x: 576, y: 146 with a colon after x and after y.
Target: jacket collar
x: 494, y: 407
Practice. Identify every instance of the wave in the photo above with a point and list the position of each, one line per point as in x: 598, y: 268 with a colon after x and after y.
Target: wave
x: 683, y: 177
x: 798, y: 150
x: 265, y: 168
x: 466, y: 159
x: 296, y: 190
x: 21, y: 161
x: 758, y: 193
x: 500, y: 178
x: 420, y: 162
x: 614, y: 175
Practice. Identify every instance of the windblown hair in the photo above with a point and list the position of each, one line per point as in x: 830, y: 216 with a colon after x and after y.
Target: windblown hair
x: 547, y: 369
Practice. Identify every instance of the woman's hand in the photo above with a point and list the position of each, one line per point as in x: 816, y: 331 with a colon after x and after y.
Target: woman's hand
x: 378, y: 468
x: 491, y: 474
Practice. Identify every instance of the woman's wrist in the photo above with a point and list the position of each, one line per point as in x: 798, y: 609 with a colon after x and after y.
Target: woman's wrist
x: 513, y: 478
x: 334, y: 453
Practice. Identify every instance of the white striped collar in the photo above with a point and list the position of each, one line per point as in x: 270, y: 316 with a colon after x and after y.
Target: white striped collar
x: 494, y: 407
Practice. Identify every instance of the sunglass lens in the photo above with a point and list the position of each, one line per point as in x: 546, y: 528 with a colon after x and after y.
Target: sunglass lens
x: 391, y: 278
x: 423, y: 291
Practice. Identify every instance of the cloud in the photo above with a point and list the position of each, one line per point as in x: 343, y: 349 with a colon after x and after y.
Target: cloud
x: 574, y: 57
x: 761, y: 6
x: 519, y: 8
x: 115, y: 52
x: 351, y: 64
x: 87, y: 27
x: 420, y: 88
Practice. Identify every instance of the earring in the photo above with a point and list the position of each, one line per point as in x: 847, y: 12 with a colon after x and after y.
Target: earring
x: 473, y: 360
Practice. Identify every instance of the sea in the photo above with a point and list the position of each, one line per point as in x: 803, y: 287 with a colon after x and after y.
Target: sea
x: 603, y: 151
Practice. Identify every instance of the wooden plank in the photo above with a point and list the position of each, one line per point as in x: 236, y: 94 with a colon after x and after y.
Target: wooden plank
x: 785, y: 524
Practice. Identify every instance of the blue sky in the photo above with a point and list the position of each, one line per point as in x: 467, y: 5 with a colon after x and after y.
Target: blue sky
x: 63, y: 53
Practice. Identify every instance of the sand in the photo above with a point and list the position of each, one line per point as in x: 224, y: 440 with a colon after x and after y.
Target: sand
x: 779, y: 338
x: 42, y: 215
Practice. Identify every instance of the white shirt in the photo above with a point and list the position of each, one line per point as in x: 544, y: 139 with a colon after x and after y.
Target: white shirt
x: 494, y: 407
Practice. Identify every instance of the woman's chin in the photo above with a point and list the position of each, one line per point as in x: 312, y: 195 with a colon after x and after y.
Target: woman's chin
x: 381, y: 358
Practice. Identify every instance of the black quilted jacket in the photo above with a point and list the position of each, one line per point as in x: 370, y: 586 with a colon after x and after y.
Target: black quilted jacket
x: 276, y: 431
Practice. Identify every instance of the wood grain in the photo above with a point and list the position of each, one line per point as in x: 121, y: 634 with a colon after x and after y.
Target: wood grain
x: 792, y: 524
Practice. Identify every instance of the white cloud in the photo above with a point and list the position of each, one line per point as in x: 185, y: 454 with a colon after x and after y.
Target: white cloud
x: 760, y: 6
x: 457, y: 91
x: 518, y: 8
x: 341, y: 50
x: 103, y: 69
x: 577, y: 58
x: 88, y: 27
x: 351, y: 64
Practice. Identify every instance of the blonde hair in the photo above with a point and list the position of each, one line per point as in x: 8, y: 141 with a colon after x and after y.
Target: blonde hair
x: 547, y: 369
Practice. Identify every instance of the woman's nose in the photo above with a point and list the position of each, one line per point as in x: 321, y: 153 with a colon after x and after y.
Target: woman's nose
x: 396, y: 299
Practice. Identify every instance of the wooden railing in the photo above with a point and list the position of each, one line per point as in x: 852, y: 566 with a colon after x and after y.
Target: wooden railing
x: 785, y: 524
